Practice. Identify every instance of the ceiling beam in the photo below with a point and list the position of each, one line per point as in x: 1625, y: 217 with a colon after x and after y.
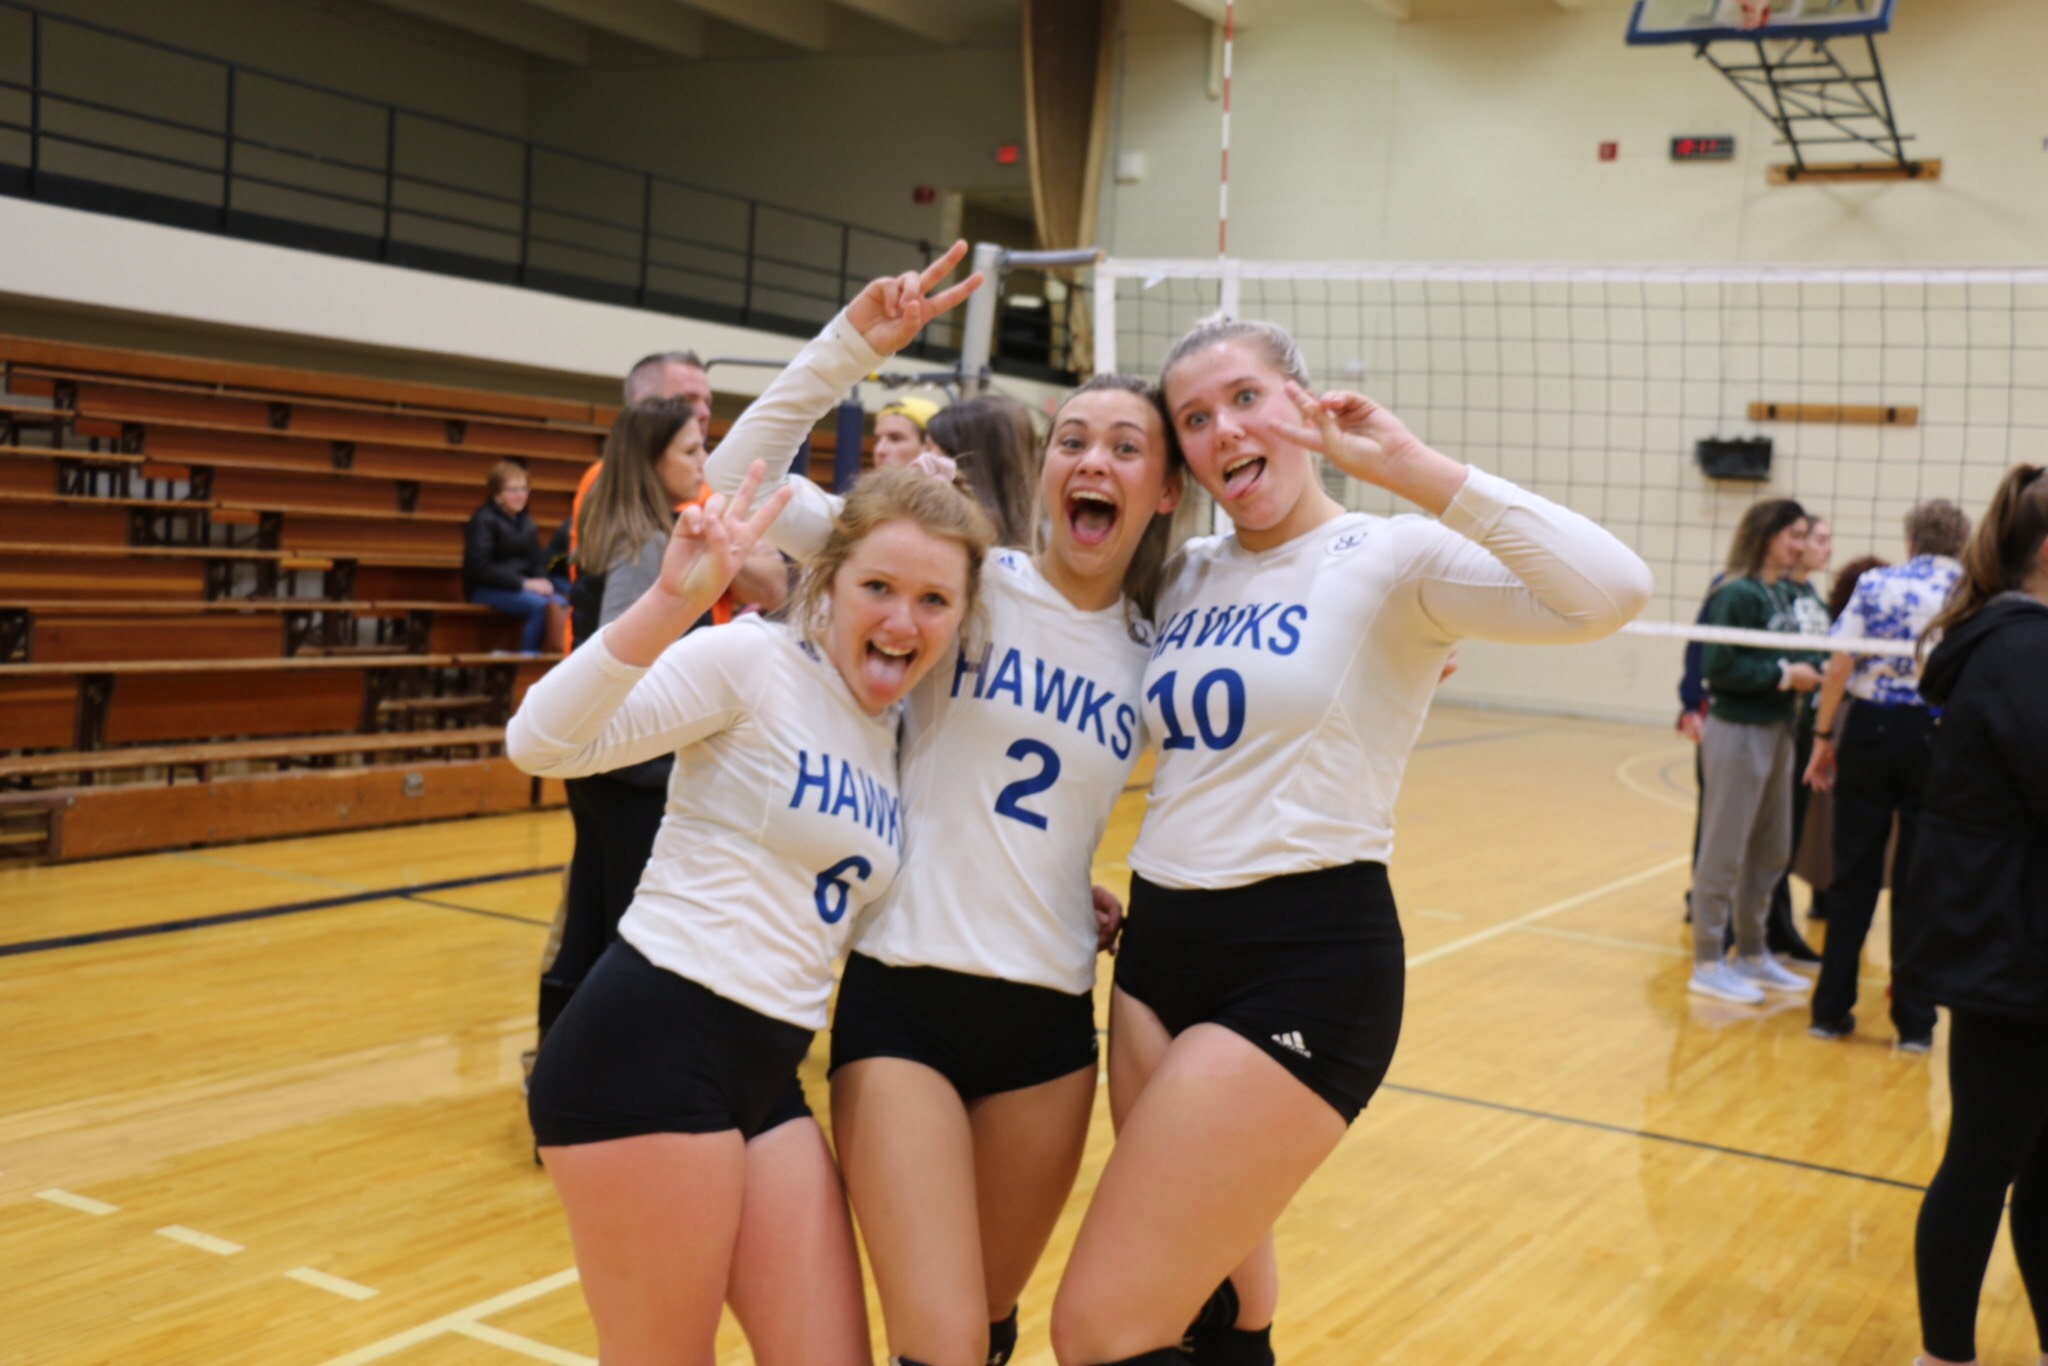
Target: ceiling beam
x: 658, y: 24
x: 805, y: 24
x: 514, y: 26
x: 925, y: 18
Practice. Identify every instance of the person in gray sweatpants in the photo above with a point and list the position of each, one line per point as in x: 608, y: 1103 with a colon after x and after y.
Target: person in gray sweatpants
x: 1746, y: 756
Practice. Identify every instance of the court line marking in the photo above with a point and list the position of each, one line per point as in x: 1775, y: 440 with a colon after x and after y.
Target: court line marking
x: 201, y: 922
x: 1554, y: 908
x: 449, y: 1323
x: 1616, y: 941
x: 333, y: 1285
x: 479, y: 910
x: 1651, y: 1135
x: 1624, y: 774
x: 84, y: 1204
x: 525, y: 1346
x: 205, y: 1242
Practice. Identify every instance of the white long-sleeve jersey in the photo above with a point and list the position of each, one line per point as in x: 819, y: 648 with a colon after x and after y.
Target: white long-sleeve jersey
x: 783, y: 819
x: 1288, y: 686
x: 1015, y: 747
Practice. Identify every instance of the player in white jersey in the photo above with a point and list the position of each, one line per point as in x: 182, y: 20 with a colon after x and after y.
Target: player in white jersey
x: 964, y: 1047
x: 664, y: 1099
x: 1258, y: 989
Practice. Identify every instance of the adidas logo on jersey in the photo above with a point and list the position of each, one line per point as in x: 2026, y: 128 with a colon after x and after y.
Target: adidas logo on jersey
x: 1292, y: 1042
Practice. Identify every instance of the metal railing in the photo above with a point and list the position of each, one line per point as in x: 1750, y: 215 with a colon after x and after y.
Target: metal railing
x: 96, y: 118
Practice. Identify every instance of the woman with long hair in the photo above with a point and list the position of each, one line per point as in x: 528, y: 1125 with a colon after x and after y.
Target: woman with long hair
x: 1746, y: 758
x: 653, y: 463
x: 1259, y: 983
x: 1979, y: 892
x: 665, y: 1100
x: 991, y: 440
x: 964, y: 1049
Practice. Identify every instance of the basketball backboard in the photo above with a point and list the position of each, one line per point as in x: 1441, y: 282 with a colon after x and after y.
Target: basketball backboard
x: 1701, y: 21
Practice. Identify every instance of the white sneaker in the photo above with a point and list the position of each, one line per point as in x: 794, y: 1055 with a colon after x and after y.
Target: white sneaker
x: 1767, y: 972
x: 1723, y: 983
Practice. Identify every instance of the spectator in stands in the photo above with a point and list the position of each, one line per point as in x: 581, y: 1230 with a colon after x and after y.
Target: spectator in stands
x: 504, y: 566
x: 1746, y: 753
x: 671, y: 374
x: 901, y: 432
x: 1878, y: 771
x: 1979, y: 887
x: 993, y: 442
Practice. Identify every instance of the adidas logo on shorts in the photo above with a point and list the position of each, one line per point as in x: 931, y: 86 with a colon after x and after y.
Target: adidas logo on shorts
x: 1292, y: 1042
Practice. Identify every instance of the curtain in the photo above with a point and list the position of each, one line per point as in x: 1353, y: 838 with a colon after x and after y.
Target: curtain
x: 1068, y: 50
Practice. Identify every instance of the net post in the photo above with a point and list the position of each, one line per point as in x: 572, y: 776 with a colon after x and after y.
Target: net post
x: 850, y: 428
x: 1105, y: 319
x: 1229, y: 289
x: 978, y: 331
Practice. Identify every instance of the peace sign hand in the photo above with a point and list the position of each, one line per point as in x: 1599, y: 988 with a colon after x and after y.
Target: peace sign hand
x: 890, y: 312
x: 1355, y: 434
x: 711, y: 542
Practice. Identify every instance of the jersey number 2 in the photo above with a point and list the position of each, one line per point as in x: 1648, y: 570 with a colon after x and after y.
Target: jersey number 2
x: 1010, y: 801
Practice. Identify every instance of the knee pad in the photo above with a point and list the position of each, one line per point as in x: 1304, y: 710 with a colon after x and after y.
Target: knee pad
x: 1232, y: 1347
x: 1002, y: 1339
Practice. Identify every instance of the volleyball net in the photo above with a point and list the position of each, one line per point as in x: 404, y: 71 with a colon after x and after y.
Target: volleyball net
x: 1661, y: 402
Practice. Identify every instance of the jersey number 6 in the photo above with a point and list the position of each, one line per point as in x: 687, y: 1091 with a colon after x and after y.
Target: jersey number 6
x: 1232, y: 684
x: 833, y: 889
x: 1010, y: 801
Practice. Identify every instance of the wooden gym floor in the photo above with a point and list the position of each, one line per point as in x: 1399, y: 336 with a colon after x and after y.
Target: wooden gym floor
x: 294, y: 1134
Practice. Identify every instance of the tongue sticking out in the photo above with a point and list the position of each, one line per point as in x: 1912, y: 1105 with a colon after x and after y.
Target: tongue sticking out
x: 1092, y: 521
x: 884, y: 672
x: 1241, y: 479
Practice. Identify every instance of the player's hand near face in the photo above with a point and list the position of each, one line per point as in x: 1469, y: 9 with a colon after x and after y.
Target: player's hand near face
x: 890, y: 312
x: 1371, y: 445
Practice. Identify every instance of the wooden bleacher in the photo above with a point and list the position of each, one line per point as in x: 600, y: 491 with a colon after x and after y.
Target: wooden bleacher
x: 231, y: 604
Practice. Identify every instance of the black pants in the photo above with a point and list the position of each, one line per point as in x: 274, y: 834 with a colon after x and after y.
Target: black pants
x: 616, y: 821
x: 1881, y: 769
x: 1997, y: 1140
x: 1781, y: 930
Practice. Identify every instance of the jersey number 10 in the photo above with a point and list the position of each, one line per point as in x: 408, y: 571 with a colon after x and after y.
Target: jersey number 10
x: 1213, y: 737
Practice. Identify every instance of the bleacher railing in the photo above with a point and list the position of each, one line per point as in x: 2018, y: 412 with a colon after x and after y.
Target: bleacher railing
x: 96, y: 118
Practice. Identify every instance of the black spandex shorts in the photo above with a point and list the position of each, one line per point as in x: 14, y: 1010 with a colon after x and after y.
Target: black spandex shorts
x: 641, y: 1050
x: 1310, y: 968
x: 982, y: 1034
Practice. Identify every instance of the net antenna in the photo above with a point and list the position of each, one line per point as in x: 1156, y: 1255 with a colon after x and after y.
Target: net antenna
x: 978, y: 332
x: 1808, y: 66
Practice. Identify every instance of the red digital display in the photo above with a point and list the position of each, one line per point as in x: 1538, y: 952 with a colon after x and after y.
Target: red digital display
x: 1006, y: 154
x: 1715, y: 147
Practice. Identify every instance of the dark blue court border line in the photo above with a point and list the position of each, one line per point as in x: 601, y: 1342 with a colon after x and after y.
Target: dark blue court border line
x: 1652, y: 1136
x: 413, y: 893
x: 203, y: 922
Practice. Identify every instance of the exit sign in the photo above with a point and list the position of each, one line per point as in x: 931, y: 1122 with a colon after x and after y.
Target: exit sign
x: 1717, y: 147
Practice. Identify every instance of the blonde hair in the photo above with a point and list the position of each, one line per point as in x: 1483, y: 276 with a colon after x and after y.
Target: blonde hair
x: 933, y: 506
x: 1274, y: 344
